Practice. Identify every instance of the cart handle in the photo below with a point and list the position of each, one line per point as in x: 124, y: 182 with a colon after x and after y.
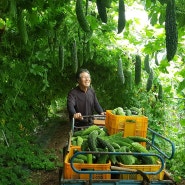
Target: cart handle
x: 87, y: 116
x: 154, y: 133
x: 90, y: 172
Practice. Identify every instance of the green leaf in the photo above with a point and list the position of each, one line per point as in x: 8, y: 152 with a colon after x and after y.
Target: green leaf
x: 181, y: 85
x: 163, y: 66
x: 182, y: 122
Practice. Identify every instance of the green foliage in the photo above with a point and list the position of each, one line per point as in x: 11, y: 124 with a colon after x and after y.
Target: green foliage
x: 34, y: 83
x: 179, y: 158
x: 20, y: 155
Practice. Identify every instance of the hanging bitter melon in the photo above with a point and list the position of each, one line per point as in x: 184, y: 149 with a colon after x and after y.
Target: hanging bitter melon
x: 149, y: 81
x: 156, y: 58
x: 13, y: 8
x: 120, y: 71
x: 147, y: 63
x: 138, y: 70
x: 22, y: 27
x: 61, y: 57
x: 75, y: 56
x: 102, y: 10
x: 171, y: 30
x: 81, y: 16
x: 107, y: 3
x: 128, y: 79
x: 160, y: 93
x: 121, y: 16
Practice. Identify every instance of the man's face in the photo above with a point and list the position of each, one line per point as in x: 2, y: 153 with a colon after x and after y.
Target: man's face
x: 85, y: 79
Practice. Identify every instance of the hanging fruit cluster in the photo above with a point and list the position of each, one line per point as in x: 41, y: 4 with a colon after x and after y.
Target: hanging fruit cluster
x: 102, y: 6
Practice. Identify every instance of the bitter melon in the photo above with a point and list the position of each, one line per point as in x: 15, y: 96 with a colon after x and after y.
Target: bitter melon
x: 78, y: 133
x: 122, y: 143
x: 171, y: 30
x: 81, y: 16
x: 102, y: 10
x: 115, y: 145
x: 128, y: 79
x: 79, y: 140
x: 138, y: 70
x: 137, y: 147
x: 73, y: 142
x: 80, y: 57
x: 160, y: 93
x: 149, y: 81
x: 13, y: 8
x: 92, y: 140
x: 147, y: 64
x: 76, y: 160
x: 75, y: 56
x: 138, y: 138
x: 128, y: 112
x: 116, y: 135
x: 156, y: 59
x: 85, y: 145
x: 126, y: 159
x: 61, y: 57
x: 107, y: 3
x: 22, y: 27
x: 82, y: 156
x: 106, y: 144
x: 121, y: 16
x: 89, y: 158
x: 88, y: 130
x: 102, y: 132
x: 136, y: 111
x: 120, y: 71
x: 102, y: 159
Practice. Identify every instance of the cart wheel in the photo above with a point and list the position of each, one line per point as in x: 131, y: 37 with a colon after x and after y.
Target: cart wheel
x: 65, y: 148
x: 60, y: 175
x: 146, y: 180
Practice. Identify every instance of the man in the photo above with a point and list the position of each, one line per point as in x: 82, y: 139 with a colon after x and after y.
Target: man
x: 82, y: 99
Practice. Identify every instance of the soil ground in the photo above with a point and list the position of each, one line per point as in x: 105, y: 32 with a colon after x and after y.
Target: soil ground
x: 55, y: 137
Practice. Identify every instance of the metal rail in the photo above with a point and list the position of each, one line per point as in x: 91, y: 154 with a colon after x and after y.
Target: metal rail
x: 154, y: 134
x: 90, y: 172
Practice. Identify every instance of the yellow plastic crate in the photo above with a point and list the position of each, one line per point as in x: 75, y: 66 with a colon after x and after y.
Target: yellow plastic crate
x: 131, y: 125
x: 144, y: 168
x: 70, y: 174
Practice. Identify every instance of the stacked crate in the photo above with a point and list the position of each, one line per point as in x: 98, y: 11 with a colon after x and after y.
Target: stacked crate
x: 70, y: 174
x: 136, y: 125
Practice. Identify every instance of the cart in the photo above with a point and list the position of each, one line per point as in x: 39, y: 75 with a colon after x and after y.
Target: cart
x: 110, y: 175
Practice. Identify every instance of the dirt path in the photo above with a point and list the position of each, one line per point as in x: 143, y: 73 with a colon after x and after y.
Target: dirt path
x: 54, y: 137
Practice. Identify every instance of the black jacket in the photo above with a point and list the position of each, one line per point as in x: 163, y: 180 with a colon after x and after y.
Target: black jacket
x: 84, y: 102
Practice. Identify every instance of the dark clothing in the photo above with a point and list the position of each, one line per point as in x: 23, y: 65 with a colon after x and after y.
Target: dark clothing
x: 84, y: 102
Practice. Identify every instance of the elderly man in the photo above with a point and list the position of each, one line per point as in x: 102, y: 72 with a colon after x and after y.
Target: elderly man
x: 82, y: 99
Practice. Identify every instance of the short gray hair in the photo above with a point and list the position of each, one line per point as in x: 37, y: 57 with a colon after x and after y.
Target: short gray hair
x: 81, y: 71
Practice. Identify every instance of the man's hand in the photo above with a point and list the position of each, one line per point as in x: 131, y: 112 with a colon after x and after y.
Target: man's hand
x: 78, y: 116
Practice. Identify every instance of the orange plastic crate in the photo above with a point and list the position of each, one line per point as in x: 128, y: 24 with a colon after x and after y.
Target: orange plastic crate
x: 70, y: 174
x: 144, y: 168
